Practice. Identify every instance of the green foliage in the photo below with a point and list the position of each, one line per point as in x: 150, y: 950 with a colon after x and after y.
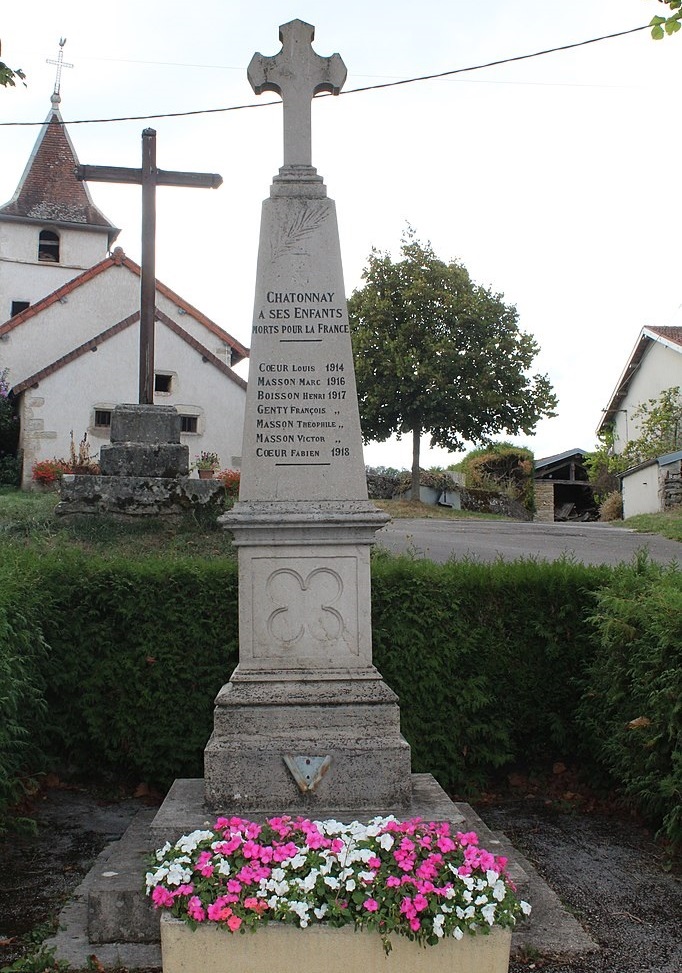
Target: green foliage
x: 22, y: 684
x: 632, y: 698
x: 466, y: 646
x: 148, y: 643
x: 501, y: 467
x: 660, y: 26
x: 603, y: 465
x: 668, y: 524
x: 437, y: 353
x: 660, y: 428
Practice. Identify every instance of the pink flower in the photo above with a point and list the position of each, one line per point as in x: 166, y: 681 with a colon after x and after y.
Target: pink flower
x: 219, y: 910
x: 393, y: 882
x: 467, y: 838
x: 195, y: 909
x: 374, y: 862
x: 415, y: 924
x: 420, y: 902
x: 371, y: 905
x: 251, y: 849
x: 204, y: 864
x: 162, y: 898
x: 234, y: 886
x: 233, y: 923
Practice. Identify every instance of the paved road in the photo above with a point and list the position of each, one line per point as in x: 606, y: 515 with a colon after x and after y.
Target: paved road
x: 486, y: 540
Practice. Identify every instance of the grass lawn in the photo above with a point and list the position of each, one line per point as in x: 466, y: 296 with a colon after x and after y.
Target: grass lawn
x: 27, y: 518
x: 668, y: 524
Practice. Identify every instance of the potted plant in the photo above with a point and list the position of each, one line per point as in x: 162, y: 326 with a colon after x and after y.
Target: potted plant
x: 206, y: 463
x: 306, y: 886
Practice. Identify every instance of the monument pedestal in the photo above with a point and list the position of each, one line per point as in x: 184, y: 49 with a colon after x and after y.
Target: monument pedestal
x: 144, y: 470
x: 306, y: 722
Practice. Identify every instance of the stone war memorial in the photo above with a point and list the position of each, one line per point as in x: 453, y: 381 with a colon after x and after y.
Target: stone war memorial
x: 305, y: 725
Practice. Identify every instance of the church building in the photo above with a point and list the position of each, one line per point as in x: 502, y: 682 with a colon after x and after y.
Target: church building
x: 70, y: 321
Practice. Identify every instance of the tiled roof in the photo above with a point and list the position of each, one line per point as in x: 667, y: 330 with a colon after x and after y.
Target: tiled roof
x: 48, y: 191
x: 93, y: 343
x: 668, y: 333
x: 118, y: 258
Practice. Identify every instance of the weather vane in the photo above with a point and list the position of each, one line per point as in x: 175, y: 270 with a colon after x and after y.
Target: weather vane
x: 61, y: 63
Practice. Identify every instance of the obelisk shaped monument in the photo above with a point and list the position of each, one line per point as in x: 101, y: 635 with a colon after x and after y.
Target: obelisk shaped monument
x: 305, y: 721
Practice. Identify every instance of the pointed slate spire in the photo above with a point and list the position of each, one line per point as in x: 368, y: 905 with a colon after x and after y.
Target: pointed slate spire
x: 48, y: 191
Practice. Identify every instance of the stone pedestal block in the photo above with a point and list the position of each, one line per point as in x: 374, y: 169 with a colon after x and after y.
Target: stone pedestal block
x: 144, y: 459
x: 145, y: 424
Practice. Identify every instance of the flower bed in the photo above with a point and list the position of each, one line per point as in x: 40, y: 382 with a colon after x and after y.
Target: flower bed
x: 411, y: 878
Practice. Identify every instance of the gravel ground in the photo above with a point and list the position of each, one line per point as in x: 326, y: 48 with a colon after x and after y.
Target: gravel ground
x: 608, y: 871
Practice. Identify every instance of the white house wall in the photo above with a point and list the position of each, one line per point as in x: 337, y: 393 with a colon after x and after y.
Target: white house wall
x: 640, y: 492
x: 87, y: 311
x: 25, y: 278
x: 67, y: 399
x: 660, y: 369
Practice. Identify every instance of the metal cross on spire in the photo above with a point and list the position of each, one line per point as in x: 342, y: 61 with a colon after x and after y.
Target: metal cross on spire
x: 61, y: 63
x: 297, y: 73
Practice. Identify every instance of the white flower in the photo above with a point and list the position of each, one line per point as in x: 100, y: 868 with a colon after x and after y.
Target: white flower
x: 481, y: 900
x: 331, y: 881
x: 189, y: 842
x: 499, y: 890
x: 492, y: 876
x: 162, y: 852
x: 223, y: 867
x: 322, y: 911
x: 298, y: 861
x: 386, y: 841
x: 488, y: 913
x: 350, y: 885
x: 438, y: 925
x: 366, y: 877
x: 525, y: 908
x: 457, y: 933
x: 277, y: 874
x: 178, y: 874
x: 153, y: 878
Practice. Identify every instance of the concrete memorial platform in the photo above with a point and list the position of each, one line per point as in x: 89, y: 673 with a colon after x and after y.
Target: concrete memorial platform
x: 305, y: 723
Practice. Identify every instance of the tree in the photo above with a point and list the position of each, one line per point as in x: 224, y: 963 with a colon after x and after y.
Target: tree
x: 660, y: 26
x: 437, y: 353
x: 7, y: 75
x: 660, y: 427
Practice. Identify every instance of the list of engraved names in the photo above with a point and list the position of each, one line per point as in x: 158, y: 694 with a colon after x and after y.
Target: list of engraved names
x: 301, y: 391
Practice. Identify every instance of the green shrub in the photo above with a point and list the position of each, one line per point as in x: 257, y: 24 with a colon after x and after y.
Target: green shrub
x: 148, y: 644
x: 632, y: 697
x: 485, y: 659
x: 22, y: 704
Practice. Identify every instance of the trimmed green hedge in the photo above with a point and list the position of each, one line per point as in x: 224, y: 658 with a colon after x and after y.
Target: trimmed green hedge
x: 494, y: 663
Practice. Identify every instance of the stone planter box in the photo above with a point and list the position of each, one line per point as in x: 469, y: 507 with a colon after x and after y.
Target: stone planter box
x: 322, y: 949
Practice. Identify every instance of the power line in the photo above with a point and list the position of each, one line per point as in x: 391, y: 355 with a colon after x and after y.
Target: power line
x: 350, y: 91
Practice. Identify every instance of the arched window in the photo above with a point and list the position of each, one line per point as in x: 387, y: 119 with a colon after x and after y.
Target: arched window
x: 48, y: 246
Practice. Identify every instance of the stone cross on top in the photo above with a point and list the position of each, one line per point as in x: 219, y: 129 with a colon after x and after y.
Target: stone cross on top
x: 297, y: 73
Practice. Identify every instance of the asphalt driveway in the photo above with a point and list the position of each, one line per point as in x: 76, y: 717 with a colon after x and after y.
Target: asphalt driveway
x: 488, y: 540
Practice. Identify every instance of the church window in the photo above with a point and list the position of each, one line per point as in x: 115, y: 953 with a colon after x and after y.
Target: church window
x: 162, y: 382
x: 188, y: 424
x: 48, y: 246
x: 19, y: 306
x: 102, y: 417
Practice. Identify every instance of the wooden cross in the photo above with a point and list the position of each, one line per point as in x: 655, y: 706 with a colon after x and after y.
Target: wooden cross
x: 297, y: 73
x: 149, y: 177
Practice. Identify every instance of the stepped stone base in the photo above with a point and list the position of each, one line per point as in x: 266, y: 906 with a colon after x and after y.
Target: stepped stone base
x: 111, y: 918
x: 136, y: 496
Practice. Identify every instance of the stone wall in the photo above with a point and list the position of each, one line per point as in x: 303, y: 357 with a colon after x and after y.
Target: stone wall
x: 544, y: 502
x: 672, y: 491
x: 486, y: 502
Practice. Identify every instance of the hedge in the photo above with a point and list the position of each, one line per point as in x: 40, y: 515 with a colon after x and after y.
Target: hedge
x: 112, y: 666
